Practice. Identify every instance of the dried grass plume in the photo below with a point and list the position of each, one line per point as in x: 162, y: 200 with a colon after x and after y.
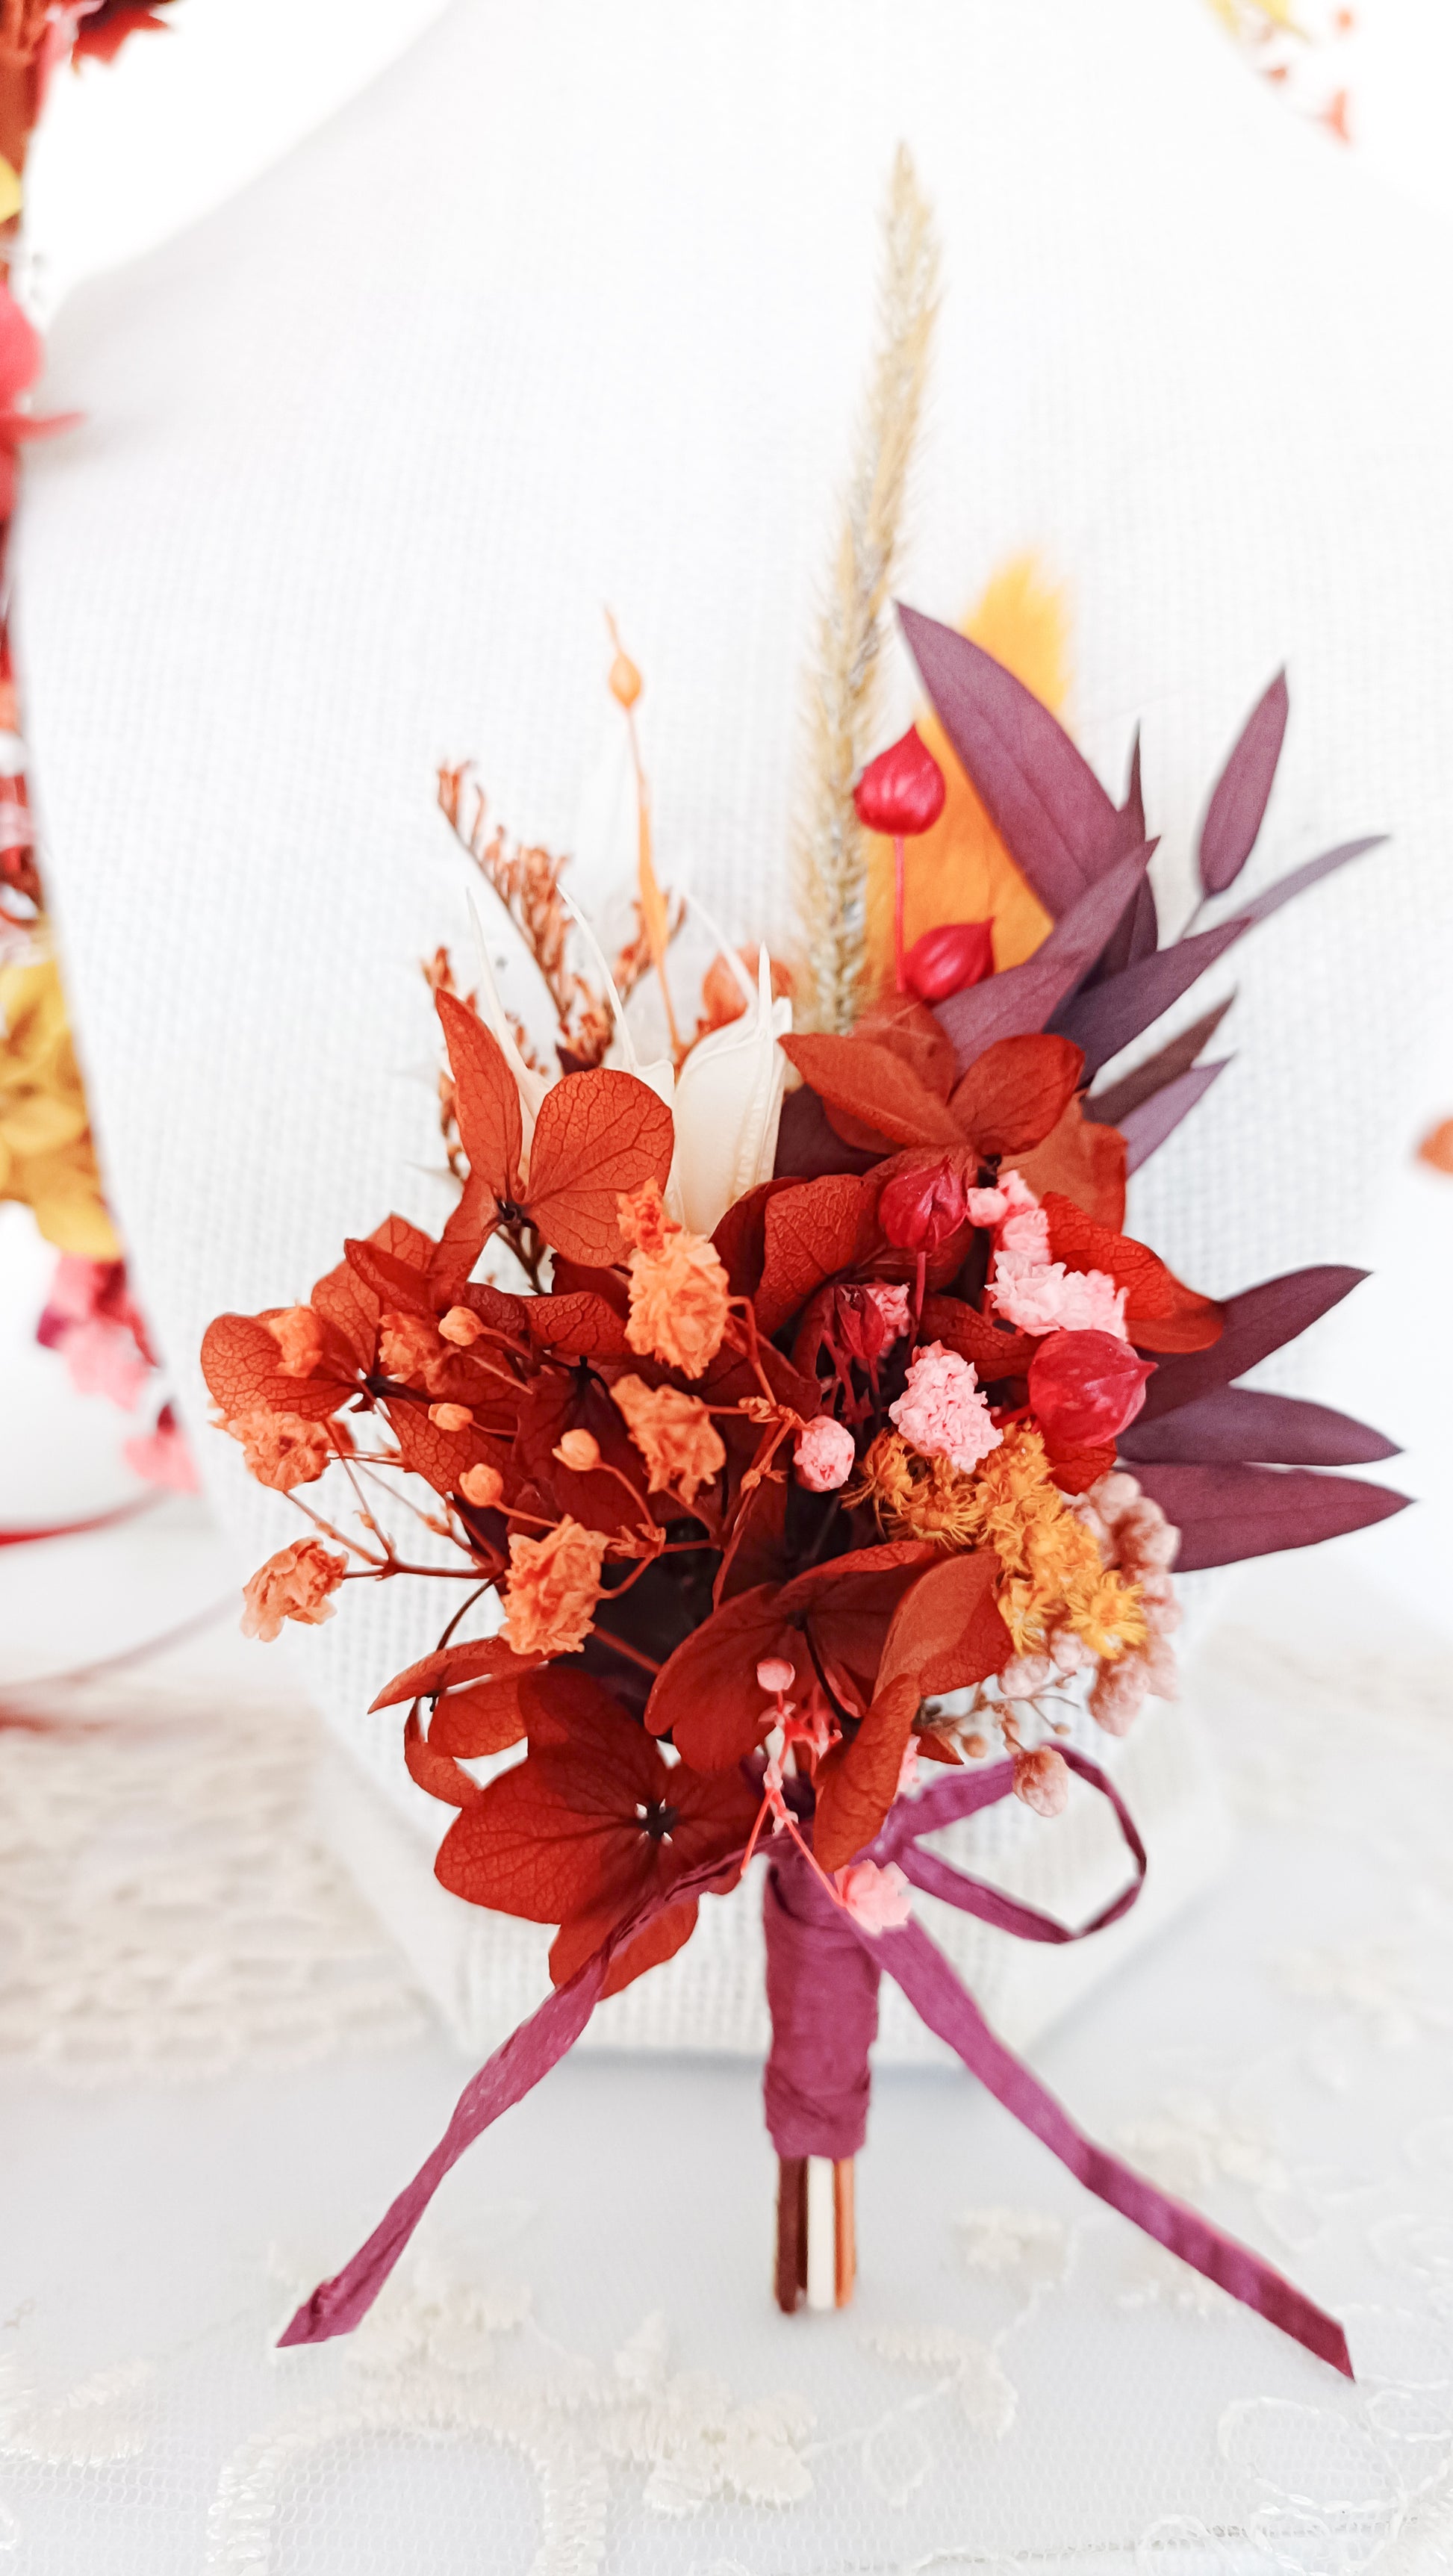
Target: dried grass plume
x: 843, y: 678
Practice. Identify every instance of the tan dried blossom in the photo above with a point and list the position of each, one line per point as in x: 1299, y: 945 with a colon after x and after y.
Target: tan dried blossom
x: 282, y: 1450
x: 680, y: 1293
x: 675, y: 1435
x: 294, y: 1584
x: 553, y: 1589
x: 407, y: 1345
x: 298, y: 1334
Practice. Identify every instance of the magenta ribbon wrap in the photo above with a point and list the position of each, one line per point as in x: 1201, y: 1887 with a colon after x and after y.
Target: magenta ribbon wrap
x: 823, y: 1972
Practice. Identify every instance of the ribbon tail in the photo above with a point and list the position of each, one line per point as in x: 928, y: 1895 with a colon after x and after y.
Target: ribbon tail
x: 920, y: 1968
x: 517, y: 2066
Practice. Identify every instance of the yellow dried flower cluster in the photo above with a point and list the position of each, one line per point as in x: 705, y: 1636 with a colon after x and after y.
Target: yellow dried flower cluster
x: 1051, y: 1567
x: 47, y: 1158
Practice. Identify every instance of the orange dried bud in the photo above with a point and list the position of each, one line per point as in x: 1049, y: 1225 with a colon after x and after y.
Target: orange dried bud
x: 626, y: 683
x: 460, y: 1327
x: 450, y: 1417
x: 482, y: 1486
x: 775, y: 1673
x: 579, y: 1450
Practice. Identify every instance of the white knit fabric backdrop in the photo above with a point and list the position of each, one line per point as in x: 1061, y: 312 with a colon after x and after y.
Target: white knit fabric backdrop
x: 575, y: 305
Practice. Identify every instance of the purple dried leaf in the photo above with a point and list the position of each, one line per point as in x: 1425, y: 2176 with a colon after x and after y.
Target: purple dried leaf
x: 1254, y: 1324
x: 1056, y: 820
x: 1239, y: 797
x: 1108, y: 1017
x: 1245, y: 1425
x: 1260, y: 907
x: 1227, y: 1513
x: 1113, y: 1105
x: 1145, y: 1129
x: 1024, y: 997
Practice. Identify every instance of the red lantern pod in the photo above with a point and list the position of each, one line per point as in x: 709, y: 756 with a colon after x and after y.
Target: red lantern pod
x: 949, y: 959
x: 902, y: 791
x: 1085, y: 1387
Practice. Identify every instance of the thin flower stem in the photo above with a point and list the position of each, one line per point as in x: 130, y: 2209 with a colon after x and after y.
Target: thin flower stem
x: 898, y: 875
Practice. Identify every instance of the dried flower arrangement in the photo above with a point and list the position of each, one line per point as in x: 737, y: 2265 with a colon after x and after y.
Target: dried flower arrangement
x: 817, y: 1420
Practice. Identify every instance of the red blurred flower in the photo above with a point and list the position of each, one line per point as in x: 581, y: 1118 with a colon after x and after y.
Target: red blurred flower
x: 1085, y: 1387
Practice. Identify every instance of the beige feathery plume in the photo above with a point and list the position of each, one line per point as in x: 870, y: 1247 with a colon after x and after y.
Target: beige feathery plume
x: 843, y: 678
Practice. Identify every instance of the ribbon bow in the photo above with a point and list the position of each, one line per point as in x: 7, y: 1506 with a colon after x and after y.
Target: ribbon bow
x: 809, y: 1939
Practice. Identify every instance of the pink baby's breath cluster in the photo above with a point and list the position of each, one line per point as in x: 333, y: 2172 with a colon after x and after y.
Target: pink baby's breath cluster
x: 941, y: 1412
x: 1134, y: 1536
x: 823, y: 1455
x: 1029, y: 1290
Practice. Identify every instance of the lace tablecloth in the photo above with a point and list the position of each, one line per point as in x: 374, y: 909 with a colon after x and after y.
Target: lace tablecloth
x: 215, y: 2074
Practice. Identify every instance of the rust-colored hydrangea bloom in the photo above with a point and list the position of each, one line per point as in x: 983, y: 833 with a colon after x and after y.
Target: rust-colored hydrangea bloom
x: 674, y: 1433
x: 294, y: 1584
x: 553, y: 1589
x: 282, y: 1450
x: 679, y: 1290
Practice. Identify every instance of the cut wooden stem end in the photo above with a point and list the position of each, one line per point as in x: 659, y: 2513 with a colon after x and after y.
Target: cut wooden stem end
x: 816, y: 2242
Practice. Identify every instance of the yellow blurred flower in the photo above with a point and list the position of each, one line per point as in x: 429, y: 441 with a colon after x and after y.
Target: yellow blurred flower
x: 47, y: 1158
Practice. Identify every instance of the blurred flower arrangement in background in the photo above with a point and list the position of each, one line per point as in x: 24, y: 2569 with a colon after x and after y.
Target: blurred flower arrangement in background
x: 48, y: 1159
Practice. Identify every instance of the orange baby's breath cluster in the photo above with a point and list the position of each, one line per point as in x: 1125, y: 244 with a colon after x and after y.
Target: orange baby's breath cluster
x: 679, y: 1291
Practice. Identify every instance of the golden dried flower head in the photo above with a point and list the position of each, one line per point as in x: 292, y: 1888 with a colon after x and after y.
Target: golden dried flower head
x: 460, y: 1327
x: 482, y: 1486
x: 450, y: 1417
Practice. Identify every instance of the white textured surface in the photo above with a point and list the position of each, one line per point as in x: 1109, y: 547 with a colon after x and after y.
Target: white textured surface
x: 363, y: 459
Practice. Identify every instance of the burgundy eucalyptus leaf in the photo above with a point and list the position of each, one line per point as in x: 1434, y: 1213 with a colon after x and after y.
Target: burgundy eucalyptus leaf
x: 1107, y: 1018
x: 1227, y: 1513
x: 1023, y: 998
x: 1114, y: 1104
x: 1239, y: 797
x: 1260, y: 907
x: 1056, y: 820
x: 1261, y: 1320
x: 1145, y: 1129
x: 1245, y: 1425
x: 1136, y: 934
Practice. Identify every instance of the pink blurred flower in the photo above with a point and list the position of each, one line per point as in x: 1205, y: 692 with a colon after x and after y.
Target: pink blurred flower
x: 892, y: 1305
x: 161, y: 1457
